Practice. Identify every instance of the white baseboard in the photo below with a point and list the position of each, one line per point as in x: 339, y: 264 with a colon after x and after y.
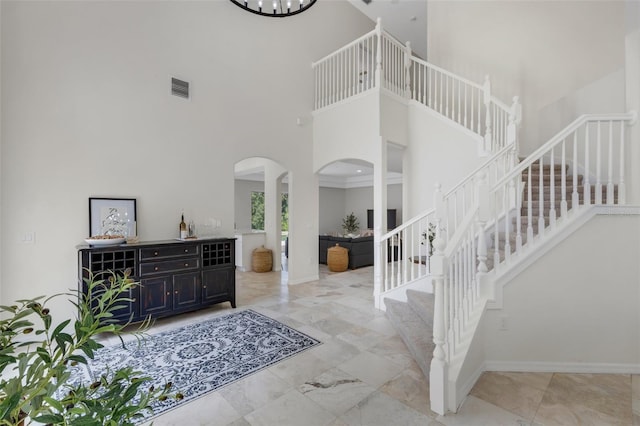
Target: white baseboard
x: 304, y: 279
x: 562, y: 367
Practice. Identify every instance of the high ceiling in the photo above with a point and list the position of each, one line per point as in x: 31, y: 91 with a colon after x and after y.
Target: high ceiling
x: 406, y: 20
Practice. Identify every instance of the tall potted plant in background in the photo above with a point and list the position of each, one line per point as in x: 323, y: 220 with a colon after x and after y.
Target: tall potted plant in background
x: 350, y: 225
x: 40, y: 386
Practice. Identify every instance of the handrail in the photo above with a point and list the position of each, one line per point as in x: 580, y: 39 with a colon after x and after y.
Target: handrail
x: 393, y: 40
x: 467, y: 222
x: 343, y: 48
x: 445, y: 72
x: 474, y: 173
x: 407, y: 224
x: 630, y: 116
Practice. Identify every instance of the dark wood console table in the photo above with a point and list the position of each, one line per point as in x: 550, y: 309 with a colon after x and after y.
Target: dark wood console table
x: 174, y: 276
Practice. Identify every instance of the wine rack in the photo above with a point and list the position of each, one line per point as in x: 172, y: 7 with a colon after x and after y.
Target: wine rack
x: 116, y: 261
x: 217, y: 254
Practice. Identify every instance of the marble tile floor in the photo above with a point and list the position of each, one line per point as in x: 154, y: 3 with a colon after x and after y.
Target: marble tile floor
x: 363, y: 373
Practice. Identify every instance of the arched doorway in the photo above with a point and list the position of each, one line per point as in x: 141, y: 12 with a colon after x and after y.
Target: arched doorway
x: 261, y: 210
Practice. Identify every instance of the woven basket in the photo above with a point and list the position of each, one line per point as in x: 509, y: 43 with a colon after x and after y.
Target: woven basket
x: 261, y: 260
x: 337, y: 259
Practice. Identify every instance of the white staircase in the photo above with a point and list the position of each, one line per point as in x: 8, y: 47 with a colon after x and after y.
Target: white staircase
x: 489, y: 226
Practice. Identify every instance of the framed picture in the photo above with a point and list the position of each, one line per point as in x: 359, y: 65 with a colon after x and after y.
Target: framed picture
x: 112, y: 216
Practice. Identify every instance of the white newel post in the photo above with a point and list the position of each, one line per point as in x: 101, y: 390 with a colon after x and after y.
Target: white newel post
x: 407, y: 71
x: 515, y: 115
x: 379, y: 53
x: 484, y: 214
x: 438, y: 374
x: 488, y: 137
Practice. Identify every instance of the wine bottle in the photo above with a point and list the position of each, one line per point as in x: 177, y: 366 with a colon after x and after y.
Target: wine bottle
x: 183, y: 228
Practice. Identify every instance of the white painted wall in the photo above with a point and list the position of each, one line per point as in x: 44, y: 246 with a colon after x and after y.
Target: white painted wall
x: 85, y: 93
x: 359, y: 200
x: 348, y: 131
x: 590, y: 302
x: 540, y: 50
x: 605, y: 95
x: 336, y: 203
x: 394, y: 124
x: 439, y: 152
x: 332, y: 207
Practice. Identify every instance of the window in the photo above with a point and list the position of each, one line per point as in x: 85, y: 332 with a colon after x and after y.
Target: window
x: 257, y: 211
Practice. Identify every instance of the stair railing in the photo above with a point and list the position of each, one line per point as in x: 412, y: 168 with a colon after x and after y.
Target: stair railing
x: 406, y: 250
x: 469, y: 104
x: 378, y: 60
x: 585, y: 165
x: 346, y: 72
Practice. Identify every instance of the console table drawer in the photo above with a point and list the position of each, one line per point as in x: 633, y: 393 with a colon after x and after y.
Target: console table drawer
x: 169, y: 251
x: 186, y: 264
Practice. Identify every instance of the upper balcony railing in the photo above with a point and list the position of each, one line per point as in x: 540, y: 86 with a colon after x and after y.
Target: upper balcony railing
x: 378, y: 60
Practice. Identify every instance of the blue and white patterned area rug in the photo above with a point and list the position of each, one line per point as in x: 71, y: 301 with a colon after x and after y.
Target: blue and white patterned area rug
x: 199, y: 358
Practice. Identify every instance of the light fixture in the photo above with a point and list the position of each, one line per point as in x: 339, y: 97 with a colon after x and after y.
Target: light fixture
x: 275, y: 8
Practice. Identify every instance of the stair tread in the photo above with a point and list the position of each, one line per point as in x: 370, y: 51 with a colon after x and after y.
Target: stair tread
x: 422, y: 303
x: 413, y: 331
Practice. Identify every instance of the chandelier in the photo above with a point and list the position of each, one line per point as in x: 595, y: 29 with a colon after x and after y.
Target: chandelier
x: 275, y: 8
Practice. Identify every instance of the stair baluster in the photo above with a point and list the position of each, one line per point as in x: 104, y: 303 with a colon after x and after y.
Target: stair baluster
x: 610, y: 180
x: 586, y: 184
x: 552, y: 190
x: 622, y: 191
x: 598, y: 164
x: 575, y: 197
x: 563, y: 181
x: 488, y: 136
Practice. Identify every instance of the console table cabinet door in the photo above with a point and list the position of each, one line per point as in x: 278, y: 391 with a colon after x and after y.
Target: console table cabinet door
x: 129, y: 309
x: 219, y: 284
x: 186, y: 290
x: 156, y: 295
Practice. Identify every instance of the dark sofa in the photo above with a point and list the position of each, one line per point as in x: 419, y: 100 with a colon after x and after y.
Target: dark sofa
x: 360, y: 249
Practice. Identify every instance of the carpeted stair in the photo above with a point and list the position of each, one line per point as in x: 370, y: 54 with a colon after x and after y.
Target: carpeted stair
x: 536, y: 197
x: 414, y: 322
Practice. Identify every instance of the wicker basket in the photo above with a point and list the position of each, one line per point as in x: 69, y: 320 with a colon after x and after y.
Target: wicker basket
x: 261, y: 260
x: 337, y: 259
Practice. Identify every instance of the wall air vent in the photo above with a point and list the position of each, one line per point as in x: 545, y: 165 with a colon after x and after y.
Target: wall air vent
x: 179, y: 88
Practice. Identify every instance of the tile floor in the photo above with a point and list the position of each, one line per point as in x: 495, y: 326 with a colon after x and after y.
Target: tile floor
x: 363, y: 374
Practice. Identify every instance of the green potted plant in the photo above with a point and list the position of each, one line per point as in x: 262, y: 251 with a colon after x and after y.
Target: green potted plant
x: 350, y: 224
x: 38, y: 387
x: 429, y: 235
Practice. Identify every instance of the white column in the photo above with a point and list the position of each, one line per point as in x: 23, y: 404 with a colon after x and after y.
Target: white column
x: 273, y: 174
x: 379, y: 216
x: 632, y: 71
